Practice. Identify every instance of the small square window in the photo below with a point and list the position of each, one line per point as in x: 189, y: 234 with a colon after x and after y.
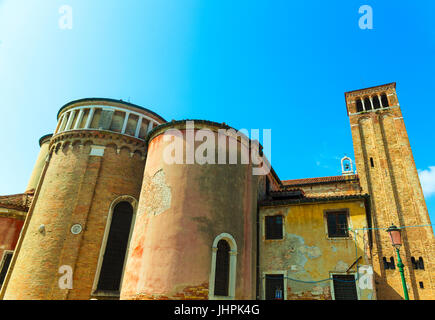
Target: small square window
x: 274, y: 287
x: 274, y: 227
x: 337, y: 224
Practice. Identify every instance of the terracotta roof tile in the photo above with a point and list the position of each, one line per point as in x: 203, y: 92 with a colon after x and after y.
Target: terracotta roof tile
x: 313, y: 199
x: 19, y: 202
x: 298, y: 182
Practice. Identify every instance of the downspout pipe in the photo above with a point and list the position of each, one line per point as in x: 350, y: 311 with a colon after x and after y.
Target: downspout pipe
x: 258, y: 240
x: 258, y: 254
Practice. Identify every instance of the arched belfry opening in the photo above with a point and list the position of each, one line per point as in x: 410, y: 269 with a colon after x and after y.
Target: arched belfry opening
x: 384, y: 100
x: 347, y: 166
x: 367, y: 103
x: 359, y: 106
x: 376, y: 102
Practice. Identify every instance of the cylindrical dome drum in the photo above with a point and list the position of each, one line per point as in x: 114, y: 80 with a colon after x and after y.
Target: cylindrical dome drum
x: 195, y: 225
x: 93, y: 178
x: 44, y: 143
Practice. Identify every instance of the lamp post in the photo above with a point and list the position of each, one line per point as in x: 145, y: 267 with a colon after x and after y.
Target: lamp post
x: 396, y: 240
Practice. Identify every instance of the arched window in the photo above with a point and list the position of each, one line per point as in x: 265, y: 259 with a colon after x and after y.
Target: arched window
x: 414, y: 263
x: 389, y: 264
x: 114, y: 249
x: 222, y: 276
x: 367, y: 103
x: 417, y: 264
x: 386, y: 263
x: 222, y: 283
x: 376, y: 102
x: 420, y: 263
x: 392, y: 264
x: 384, y: 100
x: 359, y: 106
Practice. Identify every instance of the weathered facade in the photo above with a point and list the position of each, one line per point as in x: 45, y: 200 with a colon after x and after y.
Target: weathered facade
x: 107, y: 217
x: 308, y: 255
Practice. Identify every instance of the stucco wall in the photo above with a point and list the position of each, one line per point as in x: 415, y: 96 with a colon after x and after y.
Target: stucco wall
x: 307, y: 254
x: 182, y: 209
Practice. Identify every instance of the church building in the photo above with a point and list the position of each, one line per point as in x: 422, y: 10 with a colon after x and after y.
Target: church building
x: 104, y: 216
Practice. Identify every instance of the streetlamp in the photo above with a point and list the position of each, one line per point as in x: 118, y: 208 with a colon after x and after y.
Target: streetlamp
x: 396, y: 240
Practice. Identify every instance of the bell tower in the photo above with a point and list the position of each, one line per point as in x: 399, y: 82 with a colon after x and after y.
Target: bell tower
x: 388, y: 173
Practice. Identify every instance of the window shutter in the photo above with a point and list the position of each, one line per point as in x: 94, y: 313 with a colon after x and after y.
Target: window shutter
x: 345, y: 287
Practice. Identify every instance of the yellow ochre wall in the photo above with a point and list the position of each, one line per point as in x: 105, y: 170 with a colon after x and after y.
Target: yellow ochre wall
x: 307, y: 254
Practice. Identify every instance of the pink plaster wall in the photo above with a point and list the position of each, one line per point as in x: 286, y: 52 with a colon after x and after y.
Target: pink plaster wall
x: 171, y: 251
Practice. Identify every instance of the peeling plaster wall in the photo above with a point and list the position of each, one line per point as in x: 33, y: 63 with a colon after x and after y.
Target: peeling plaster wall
x: 182, y: 209
x: 158, y: 194
x: 306, y: 254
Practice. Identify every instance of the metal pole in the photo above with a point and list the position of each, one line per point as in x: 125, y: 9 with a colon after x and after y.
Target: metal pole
x: 400, y: 265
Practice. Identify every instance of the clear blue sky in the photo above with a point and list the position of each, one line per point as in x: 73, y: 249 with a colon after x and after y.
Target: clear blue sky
x: 280, y: 65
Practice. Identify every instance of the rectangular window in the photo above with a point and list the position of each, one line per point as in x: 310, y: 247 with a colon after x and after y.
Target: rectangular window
x: 344, y: 287
x: 337, y: 224
x: 274, y: 227
x: 4, y: 265
x: 274, y: 287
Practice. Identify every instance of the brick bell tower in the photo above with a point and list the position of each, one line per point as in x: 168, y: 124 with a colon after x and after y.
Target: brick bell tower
x: 388, y: 173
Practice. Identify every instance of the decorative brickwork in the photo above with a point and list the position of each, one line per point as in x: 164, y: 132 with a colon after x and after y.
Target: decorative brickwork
x: 78, y: 188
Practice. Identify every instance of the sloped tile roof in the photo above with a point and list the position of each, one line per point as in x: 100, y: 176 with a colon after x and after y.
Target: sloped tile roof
x: 313, y: 199
x: 19, y: 202
x: 299, y: 182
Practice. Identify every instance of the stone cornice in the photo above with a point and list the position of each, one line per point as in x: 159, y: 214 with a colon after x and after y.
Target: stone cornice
x: 12, y: 213
x: 103, y: 138
x: 371, y: 90
x: 110, y: 102
x: 110, y: 136
x: 45, y: 139
x: 310, y: 200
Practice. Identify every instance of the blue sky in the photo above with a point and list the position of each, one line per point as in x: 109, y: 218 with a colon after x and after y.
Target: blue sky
x: 276, y: 65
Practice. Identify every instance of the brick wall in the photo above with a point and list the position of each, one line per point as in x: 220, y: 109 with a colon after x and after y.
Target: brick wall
x: 396, y: 193
x: 77, y: 188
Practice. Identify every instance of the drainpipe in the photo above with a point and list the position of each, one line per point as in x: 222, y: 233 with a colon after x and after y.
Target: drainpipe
x: 258, y: 253
x: 258, y: 241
